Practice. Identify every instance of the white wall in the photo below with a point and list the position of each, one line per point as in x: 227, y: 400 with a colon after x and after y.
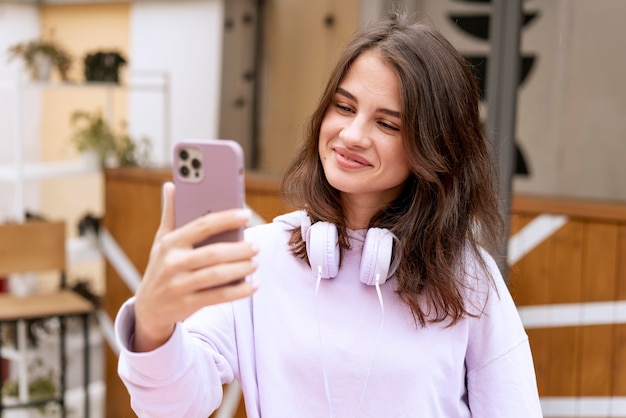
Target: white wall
x: 570, y: 120
x: 18, y: 23
x: 571, y: 113
x: 183, y: 38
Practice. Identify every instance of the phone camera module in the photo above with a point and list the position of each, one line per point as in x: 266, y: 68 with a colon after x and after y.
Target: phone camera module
x: 189, y: 161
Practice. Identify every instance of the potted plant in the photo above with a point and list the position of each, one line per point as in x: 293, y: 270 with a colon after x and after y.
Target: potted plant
x: 41, y: 386
x: 40, y: 56
x: 104, y: 66
x: 93, y: 135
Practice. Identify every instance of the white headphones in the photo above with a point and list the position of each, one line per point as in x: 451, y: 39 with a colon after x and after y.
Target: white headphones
x: 323, y: 250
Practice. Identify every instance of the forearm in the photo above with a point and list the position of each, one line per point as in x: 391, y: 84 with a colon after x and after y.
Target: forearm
x: 183, y: 377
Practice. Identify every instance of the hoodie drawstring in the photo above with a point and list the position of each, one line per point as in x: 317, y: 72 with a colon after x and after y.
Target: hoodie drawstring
x: 319, y: 335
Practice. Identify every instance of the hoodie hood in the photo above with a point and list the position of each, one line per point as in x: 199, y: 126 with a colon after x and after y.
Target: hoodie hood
x: 293, y: 219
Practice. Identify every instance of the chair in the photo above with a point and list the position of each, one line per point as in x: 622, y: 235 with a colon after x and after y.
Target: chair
x: 35, y: 247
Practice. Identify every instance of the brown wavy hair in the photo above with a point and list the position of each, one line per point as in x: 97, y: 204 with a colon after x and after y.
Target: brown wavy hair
x: 449, y: 203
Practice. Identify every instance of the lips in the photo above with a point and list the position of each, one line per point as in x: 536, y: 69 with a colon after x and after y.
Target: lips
x: 349, y: 159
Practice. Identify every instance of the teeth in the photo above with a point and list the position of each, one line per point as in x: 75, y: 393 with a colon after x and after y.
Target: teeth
x: 348, y: 158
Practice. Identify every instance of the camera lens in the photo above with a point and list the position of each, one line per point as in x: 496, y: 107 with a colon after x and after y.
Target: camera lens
x: 195, y: 163
x: 184, y: 171
x: 183, y: 154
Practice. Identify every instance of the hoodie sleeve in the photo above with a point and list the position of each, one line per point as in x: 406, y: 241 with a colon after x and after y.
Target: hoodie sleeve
x: 183, y: 377
x: 501, y: 378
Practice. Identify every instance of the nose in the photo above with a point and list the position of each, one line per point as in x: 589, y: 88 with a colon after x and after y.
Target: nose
x: 355, y: 133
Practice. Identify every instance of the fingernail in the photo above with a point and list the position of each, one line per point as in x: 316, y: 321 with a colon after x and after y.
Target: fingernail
x: 163, y: 199
x: 244, y: 214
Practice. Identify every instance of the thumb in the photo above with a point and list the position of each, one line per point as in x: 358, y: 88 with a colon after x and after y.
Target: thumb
x: 168, y: 220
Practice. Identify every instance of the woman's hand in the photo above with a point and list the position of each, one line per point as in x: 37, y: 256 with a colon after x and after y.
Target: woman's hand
x: 181, y: 279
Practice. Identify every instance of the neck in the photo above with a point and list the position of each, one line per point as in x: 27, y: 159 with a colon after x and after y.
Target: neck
x: 358, y: 212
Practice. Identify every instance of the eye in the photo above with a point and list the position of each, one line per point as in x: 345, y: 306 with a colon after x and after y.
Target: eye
x: 343, y: 108
x: 388, y: 126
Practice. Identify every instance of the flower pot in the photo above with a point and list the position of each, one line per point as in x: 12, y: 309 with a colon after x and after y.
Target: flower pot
x: 42, y: 67
x: 91, y: 160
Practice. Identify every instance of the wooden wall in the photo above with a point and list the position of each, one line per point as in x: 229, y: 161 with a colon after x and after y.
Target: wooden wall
x: 583, y: 262
x: 132, y: 214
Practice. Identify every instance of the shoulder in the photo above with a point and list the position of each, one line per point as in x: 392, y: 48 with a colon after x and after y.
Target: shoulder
x: 279, y: 228
x: 488, y: 298
x: 495, y: 328
x: 484, y: 286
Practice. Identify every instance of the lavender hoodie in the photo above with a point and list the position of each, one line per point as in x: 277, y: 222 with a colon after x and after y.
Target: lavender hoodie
x: 335, y: 352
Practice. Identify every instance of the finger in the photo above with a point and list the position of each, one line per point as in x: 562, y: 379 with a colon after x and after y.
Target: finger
x: 215, y: 276
x: 218, y: 253
x: 209, y: 225
x: 222, y: 294
x: 168, y: 221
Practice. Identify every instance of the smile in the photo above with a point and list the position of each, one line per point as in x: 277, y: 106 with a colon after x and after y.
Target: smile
x: 349, y: 160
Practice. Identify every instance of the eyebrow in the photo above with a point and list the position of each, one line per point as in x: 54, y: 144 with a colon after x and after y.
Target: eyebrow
x: 350, y: 96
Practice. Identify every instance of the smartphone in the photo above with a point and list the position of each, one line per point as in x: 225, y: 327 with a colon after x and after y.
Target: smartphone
x: 209, y: 177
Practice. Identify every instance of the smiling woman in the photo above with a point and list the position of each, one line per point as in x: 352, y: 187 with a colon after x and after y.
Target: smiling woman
x: 394, y: 190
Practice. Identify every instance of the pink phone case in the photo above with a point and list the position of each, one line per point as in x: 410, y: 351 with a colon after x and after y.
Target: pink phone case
x: 209, y: 177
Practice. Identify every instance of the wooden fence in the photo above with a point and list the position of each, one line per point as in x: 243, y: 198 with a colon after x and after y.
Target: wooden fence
x: 571, y: 293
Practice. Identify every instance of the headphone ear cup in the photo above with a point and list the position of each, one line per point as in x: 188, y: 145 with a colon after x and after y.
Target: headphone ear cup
x: 323, y: 249
x: 376, y: 256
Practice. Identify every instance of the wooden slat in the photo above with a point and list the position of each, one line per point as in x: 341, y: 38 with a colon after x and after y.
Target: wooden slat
x: 528, y: 286
x: 529, y: 283
x: 596, y: 360
x: 599, y: 284
x: 575, y: 208
x: 600, y: 262
x: 619, y: 338
x: 153, y: 175
x: 64, y: 303
x: 564, y: 281
x: 619, y: 363
x: 32, y: 246
x: 566, y: 254
x: 564, y: 367
x: 521, y: 288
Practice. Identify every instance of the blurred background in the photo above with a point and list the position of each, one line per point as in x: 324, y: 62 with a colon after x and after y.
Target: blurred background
x: 145, y: 74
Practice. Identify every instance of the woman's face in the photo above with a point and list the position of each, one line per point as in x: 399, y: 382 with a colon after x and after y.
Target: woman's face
x: 360, y: 142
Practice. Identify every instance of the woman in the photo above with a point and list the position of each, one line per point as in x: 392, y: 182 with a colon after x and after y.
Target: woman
x: 395, y: 190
